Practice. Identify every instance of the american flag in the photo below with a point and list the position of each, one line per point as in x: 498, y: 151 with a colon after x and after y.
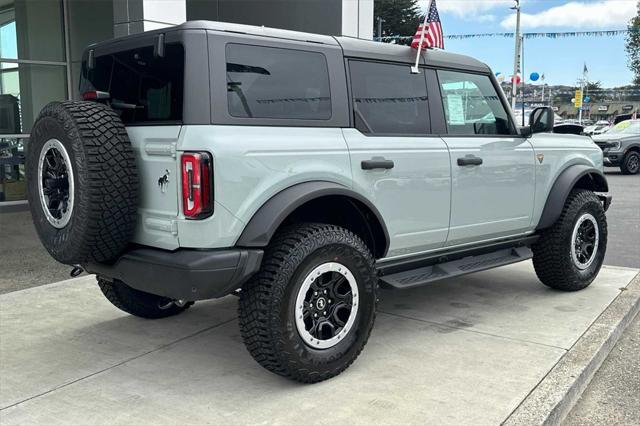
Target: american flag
x: 433, y: 34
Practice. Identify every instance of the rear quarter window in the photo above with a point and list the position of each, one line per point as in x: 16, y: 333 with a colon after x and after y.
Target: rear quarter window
x: 144, y: 88
x: 278, y: 83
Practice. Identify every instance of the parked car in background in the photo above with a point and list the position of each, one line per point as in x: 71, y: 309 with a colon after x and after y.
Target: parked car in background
x: 621, y: 146
x: 568, y: 129
x: 598, y: 128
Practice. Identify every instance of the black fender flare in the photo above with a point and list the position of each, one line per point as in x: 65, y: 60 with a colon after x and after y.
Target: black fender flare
x: 267, y: 219
x: 565, y: 182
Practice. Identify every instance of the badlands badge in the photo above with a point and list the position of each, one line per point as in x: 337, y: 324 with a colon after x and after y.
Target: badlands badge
x: 540, y: 158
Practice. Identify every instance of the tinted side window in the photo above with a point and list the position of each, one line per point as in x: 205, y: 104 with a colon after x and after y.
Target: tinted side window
x: 144, y: 87
x: 472, y: 105
x: 389, y: 99
x: 268, y: 82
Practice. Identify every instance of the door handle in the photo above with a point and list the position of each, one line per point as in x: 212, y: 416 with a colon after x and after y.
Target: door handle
x: 469, y: 160
x: 377, y: 163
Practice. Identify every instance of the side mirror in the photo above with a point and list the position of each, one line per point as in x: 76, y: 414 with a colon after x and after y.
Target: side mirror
x: 541, y: 120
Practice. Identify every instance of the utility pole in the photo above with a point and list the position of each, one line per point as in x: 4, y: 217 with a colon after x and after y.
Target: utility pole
x: 380, y: 21
x: 516, y: 57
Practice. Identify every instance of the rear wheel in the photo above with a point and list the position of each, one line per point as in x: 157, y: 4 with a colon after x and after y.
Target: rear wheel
x: 139, y: 303
x: 569, y: 255
x: 309, y: 311
x: 631, y: 163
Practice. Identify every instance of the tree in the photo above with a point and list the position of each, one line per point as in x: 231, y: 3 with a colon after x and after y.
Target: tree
x: 593, y: 89
x: 633, y: 46
x: 401, y: 17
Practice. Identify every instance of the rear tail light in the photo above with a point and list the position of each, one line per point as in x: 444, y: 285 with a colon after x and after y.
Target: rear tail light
x: 197, y: 185
x: 95, y: 95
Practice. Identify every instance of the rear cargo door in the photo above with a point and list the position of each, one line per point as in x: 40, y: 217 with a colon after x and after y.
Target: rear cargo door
x: 143, y: 79
x: 155, y: 148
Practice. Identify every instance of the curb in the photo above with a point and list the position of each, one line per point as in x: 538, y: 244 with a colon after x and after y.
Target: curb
x: 554, y: 397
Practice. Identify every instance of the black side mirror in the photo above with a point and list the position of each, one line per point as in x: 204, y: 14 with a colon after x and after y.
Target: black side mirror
x: 541, y: 120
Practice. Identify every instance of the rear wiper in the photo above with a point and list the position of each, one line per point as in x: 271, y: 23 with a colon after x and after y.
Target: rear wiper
x: 124, y: 105
x: 96, y: 95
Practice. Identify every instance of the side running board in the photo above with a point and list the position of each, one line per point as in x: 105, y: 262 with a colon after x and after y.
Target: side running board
x: 454, y: 268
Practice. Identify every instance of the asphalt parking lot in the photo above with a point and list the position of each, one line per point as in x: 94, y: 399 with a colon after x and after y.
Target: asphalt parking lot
x: 623, y: 218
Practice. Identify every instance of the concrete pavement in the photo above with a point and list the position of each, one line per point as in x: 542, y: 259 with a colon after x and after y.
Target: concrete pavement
x: 462, y: 351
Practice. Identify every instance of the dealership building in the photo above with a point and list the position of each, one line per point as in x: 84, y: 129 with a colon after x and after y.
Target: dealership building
x: 41, y: 45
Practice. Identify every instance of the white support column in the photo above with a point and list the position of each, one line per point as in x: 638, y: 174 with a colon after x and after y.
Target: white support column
x: 357, y: 18
x: 136, y: 16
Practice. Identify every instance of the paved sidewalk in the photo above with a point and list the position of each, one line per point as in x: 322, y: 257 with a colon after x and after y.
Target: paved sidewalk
x: 462, y: 351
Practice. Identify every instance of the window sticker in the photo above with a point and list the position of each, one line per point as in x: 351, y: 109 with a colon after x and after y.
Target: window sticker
x: 456, y: 109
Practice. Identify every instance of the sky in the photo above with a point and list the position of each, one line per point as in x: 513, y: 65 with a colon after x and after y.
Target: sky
x: 560, y: 59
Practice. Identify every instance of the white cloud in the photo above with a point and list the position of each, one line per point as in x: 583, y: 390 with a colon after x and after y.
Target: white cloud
x: 483, y: 19
x: 467, y: 9
x: 605, y: 14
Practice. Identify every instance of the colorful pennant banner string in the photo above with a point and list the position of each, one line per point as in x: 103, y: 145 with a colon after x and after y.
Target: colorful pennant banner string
x: 608, y: 33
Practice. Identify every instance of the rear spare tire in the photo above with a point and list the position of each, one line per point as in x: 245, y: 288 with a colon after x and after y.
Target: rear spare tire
x: 82, y: 182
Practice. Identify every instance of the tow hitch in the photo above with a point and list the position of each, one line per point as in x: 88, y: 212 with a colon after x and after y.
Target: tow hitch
x: 77, y: 270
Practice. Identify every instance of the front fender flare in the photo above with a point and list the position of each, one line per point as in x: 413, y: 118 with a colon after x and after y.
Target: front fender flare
x: 272, y: 214
x: 563, y: 185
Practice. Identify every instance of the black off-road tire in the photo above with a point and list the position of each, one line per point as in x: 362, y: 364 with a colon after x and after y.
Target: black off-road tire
x: 267, y: 302
x: 630, y: 164
x: 139, y: 303
x: 552, y: 259
x: 103, y: 218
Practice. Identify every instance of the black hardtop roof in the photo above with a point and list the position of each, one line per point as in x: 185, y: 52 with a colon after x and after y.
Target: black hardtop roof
x: 351, y: 46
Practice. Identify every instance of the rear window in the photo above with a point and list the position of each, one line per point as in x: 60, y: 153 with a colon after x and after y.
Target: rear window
x: 268, y: 82
x: 144, y: 88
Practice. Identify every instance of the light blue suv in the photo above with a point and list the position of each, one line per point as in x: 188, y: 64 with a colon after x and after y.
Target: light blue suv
x: 300, y: 172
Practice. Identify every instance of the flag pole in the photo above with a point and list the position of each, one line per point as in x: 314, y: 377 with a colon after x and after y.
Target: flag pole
x: 582, y: 83
x: 415, y: 69
x: 516, y: 57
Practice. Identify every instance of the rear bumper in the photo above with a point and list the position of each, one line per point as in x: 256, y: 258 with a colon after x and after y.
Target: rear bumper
x: 182, y: 274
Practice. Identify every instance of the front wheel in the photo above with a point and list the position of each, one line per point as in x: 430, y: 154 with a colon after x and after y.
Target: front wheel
x: 309, y: 311
x: 631, y: 163
x: 569, y: 255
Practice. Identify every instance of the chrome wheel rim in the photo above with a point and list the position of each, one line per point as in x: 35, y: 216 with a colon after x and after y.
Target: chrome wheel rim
x: 584, y: 241
x: 326, y: 305
x: 55, y: 183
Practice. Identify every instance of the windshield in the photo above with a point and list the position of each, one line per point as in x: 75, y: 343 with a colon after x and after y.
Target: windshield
x: 629, y: 127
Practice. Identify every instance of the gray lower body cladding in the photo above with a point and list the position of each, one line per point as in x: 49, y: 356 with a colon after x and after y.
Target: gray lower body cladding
x: 612, y: 158
x: 182, y: 274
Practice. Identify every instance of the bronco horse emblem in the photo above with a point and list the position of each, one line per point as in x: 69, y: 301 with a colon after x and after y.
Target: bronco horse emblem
x: 163, y: 181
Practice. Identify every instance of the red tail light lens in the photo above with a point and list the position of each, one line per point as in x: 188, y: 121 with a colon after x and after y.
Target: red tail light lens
x: 95, y: 95
x: 197, y: 185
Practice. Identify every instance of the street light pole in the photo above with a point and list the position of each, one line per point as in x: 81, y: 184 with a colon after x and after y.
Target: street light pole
x: 516, y: 57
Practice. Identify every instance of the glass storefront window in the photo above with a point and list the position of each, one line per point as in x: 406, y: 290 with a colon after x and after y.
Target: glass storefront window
x: 13, y: 186
x: 24, y: 90
x: 32, y: 30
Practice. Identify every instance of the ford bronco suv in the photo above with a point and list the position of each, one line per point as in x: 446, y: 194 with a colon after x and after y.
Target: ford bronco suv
x: 300, y: 172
